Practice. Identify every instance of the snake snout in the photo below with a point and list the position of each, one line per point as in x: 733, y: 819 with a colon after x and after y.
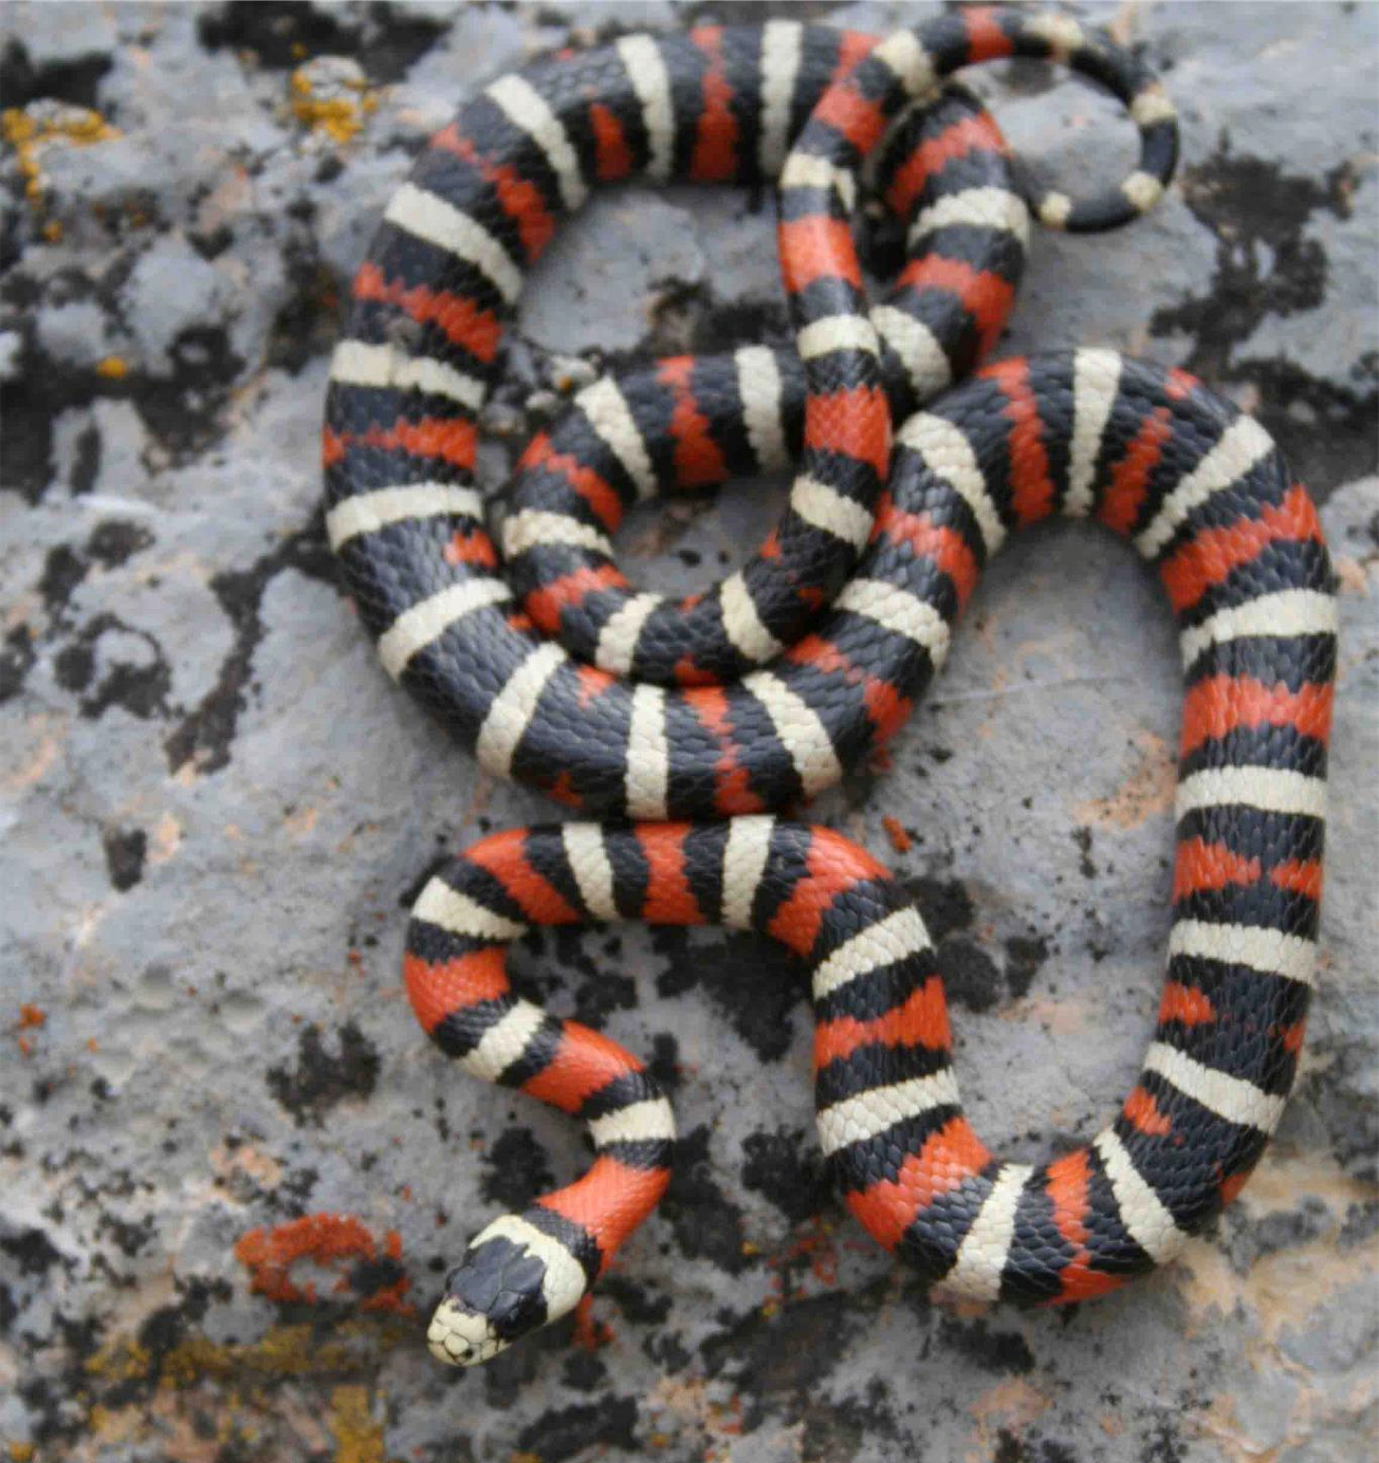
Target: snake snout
x: 461, y: 1337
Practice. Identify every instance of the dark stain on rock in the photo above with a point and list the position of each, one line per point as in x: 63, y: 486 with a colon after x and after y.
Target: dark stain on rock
x: 584, y: 1372
x: 139, y: 686
x: 787, y: 1168
x: 205, y: 734
x: 182, y: 406
x: 1083, y: 838
x: 566, y: 1432
x: 115, y: 541
x: 1247, y: 1241
x: 279, y: 33
x: 1361, y: 1223
x: 16, y: 660
x: 1009, y: 1448
x: 727, y: 325
x: 944, y: 905
x: 707, y: 1225
x: 1350, y: 1116
x: 86, y: 460
x: 307, y: 324
x: 513, y: 1373
x: 1025, y: 957
x: 26, y: 444
x: 74, y: 79
x: 664, y: 1062
x: 598, y: 990
x: 168, y: 1327
x: 516, y: 1170
x: 674, y: 310
x: 183, y: 409
x: 124, y: 856
x: 994, y: 1351
x: 394, y: 40
x: 638, y: 1305
x: 832, y: 1429
x: 283, y: 33
x: 1248, y: 202
x: 321, y: 1078
x: 970, y: 975
x: 755, y: 982
x: 1265, y: 266
x: 63, y: 570
x: 129, y: 1236
x: 1165, y: 1446
x: 780, y: 1360
x: 370, y: 1277
x: 31, y: 1251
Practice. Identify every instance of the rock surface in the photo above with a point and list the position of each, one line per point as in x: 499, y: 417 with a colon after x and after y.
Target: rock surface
x: 215, y: 808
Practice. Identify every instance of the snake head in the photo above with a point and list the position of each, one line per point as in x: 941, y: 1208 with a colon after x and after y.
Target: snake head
x: 493, y: 1297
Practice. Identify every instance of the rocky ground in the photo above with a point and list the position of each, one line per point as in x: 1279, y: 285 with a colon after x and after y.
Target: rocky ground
x: 232, y: 1171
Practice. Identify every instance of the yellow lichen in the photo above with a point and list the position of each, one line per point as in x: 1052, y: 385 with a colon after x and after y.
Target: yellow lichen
x: 27, y: 129
x: 331, y: 95
x: 283, y: 1351
x: 121, y: 1360
x: 112, y: 368
x: 358, y: 1438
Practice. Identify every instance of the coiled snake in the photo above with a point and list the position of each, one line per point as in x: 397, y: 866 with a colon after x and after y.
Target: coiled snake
x: 735, y: 704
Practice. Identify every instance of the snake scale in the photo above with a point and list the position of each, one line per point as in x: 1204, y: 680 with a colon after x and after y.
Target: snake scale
x: 726, y: 709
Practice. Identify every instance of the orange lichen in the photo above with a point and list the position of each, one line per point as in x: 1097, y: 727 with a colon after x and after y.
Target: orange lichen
x: 31, y: 1015
x: 112, y: 368
x: 810, y: 1255
x: 895, y: 831
x: 329, y: 1241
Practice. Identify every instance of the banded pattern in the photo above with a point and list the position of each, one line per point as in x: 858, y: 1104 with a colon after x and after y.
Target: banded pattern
x: 1199, y: 489
x: 947, y: 180
x: 443, y: 274
x: 1152, y: 454
x: 1214, y: 1079
x: 525, y: 1270
x: 1203, y: 493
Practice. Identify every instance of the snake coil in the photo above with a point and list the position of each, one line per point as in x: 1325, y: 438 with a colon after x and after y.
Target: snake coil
x: 732, y: 705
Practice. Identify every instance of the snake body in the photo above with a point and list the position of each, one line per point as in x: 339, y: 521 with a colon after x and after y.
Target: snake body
x: 735, y: 705
x: 446, y: 267
x: 1205, y: 496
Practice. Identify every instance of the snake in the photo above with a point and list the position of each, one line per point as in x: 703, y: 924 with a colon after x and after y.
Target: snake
x: 694, y: 725
x: 419, y: 351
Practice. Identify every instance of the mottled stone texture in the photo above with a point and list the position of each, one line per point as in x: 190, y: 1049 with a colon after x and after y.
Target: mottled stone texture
x: 216, y: 809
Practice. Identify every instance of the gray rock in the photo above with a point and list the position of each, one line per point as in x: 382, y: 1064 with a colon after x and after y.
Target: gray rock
x: 61, y: 32
x: 599, y: 283
x: 214, y: 807
x: 172, y: 290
